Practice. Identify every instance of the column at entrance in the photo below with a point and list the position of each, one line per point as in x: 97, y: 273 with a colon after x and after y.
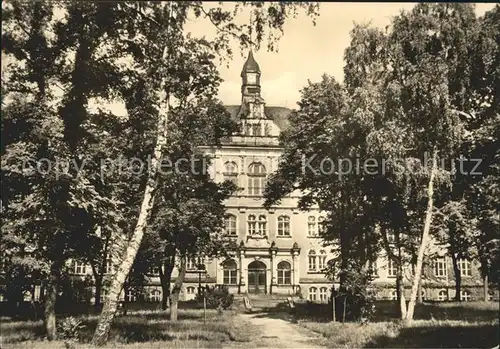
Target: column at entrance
x: 295, y: 266
x: 272, y: 282
x: 242, y: 282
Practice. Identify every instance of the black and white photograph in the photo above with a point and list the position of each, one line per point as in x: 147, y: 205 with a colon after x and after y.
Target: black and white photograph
x: 245, y: 175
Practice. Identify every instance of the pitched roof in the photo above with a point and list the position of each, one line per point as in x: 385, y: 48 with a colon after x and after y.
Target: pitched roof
x: 279, y: 115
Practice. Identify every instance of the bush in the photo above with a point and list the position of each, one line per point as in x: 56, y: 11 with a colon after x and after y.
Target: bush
x: 69, y: 330
x: 217, y: 298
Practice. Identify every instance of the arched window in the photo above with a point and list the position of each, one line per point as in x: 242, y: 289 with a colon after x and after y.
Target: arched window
x: 322, y: 260
x: 192, y: 264
x: 262, y: 225
x: 283, y: 226
x: 423, y: 294
x: 312, y: 228
x: 190, y: 290
x: 313, y: 293
x: 321, y: 225
x: 231, y: 172
x: 256, y: 179
x: 392, y: 269
x: 252, y: 225
x: 230, y: 225
x: 394, y: 295
x: 323, y: 294
x: 155, y: 296
x: 312, y: 260
x: 230, y: 271
x: 442, y: 295
x: 284, y: 273
x: 465, y: 295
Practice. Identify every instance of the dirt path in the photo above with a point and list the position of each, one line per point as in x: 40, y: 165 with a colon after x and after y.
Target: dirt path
x: 279, y: 333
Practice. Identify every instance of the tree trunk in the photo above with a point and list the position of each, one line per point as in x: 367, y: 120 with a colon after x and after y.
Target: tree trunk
x: 458, y: 277
x: 50, y: 303
x: 174, y: 298
x: 165, y: 279
x: 111, y: 305
x: 98, y: 290
x: 420, y: 292
x: 485, y: 288
x: 423, y: 242
x: 400, y: 291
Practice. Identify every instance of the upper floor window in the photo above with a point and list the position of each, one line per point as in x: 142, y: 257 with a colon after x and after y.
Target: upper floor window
x: 262, y: 225
x: 231, y: 172
x: 322, y: 260
x: 267, y: 130
x: 192, y: 264
x: 391, y: 237
x: 312, y: 227
x: 230, y: 225
x: 283, y: 226
x: 257, y: 130
x: 252, y: 225
x: 154, y: 270
x: 109, y: 267
x: 256, y: 179
x: 312, y: 260
x: 464, y: 267
x: 440, y: 267
x: 79, y: 268
x: 392, y: 270
x: 321, y: 225
x: 284, y: 273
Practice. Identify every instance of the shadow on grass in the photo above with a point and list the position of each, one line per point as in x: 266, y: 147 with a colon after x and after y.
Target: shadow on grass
x: 442, y: 336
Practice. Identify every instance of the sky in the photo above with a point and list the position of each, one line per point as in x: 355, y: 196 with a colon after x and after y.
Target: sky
x: 307, y: 51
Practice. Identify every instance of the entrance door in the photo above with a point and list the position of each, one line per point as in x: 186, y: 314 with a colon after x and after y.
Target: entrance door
x: 257, y: 277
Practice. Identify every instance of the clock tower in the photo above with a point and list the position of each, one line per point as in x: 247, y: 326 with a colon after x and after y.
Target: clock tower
x: 250, y: 75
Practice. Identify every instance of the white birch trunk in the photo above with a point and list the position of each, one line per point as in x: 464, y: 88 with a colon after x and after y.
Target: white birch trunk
x: 423, y: 242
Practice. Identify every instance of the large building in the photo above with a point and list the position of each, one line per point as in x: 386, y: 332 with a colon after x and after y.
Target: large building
x: 280, y: 251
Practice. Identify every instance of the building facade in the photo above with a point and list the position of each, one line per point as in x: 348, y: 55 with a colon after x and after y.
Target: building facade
x: 279, y: 249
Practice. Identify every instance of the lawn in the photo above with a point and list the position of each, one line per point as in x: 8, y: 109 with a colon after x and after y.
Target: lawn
x: 437, y: 325
x: 141, y: 329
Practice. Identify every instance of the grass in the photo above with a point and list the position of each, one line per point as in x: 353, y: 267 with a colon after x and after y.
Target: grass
x: 443, y: 325
x: 141, y: 329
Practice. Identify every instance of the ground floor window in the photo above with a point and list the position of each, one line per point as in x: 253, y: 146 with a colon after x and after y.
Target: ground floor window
x: 442, y: 295
x: 230, y: 272
x: 394, y: 295
x: 284, y: 273
x: 155, y: 296
x: 465, y: 295
x: 323, y: 294
x: 190, y: 290
x: 312, y: 293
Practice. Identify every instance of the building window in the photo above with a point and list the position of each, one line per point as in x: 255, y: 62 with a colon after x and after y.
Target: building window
x: 231, y: 172
x: 312, y: 228
x: 190, y: 290
x: 312, y: 260
x: 442, y: 295
x: 464, y: 267
x: 283, y: 226
x: 374, y: 268
x: 440, y: 267
x: 391, y: 237
x: 312, y: 293
x: 230, y: 225
x: 262, y: 225
x: 323, y: 294
x: 465, y: 295
x: 191, y: 264
x: 394, y: 295
x: 230, y: 271
x: 109, y: 267
x: 491, y: 295
x: 322, y: 260
x: 423, y: 295
x: 321, y: 225
x: 155, y: 296
x: 284, y: 273
x: 252, y: 225
x: 80, y: 268
x: 257, y: 130
x: 256, y: 179
x: 154, y: 271
x: 130, y: 296
x: 392, y: 270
